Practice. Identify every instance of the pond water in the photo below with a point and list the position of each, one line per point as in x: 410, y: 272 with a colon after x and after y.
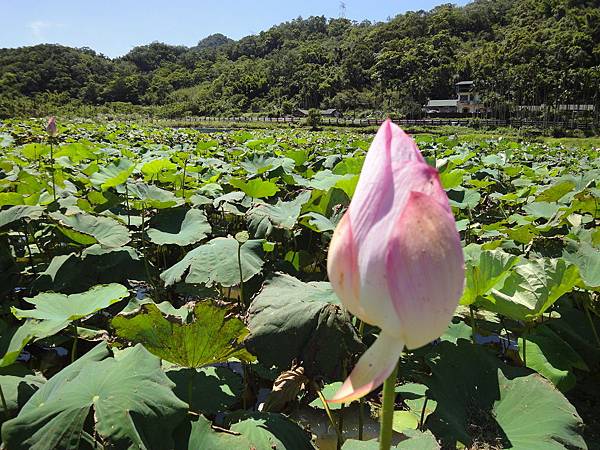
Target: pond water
x: 316, y: 421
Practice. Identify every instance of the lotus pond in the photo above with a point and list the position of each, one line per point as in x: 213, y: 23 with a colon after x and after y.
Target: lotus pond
x: 167, y: 289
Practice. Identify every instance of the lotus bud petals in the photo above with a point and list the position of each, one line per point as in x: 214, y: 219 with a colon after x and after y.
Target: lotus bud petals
x: 395, y: 258
x: 51, y: 128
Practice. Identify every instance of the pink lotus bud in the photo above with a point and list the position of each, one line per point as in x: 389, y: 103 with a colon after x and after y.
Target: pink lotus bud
x: 395, y: 259
x: 51, y: 127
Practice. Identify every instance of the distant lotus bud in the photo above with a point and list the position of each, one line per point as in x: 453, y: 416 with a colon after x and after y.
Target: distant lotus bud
x: 395, y: 259
x: 51, y: 128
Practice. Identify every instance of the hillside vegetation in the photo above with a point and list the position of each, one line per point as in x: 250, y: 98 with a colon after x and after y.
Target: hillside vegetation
x: 518, y: 52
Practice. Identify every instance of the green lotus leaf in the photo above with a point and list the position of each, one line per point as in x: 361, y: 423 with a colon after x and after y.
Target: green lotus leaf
x: 416, y: 440
x: 484, y: 269
x: 113, y: 174
x: 74, y: 273
x: 178, y: 226
x: 216, y: 262
x: 18, y: 385
x: 266, y: 431
x: 19, y: 212
x: 86, y: 229
x: 150, y: 196
x: 212, y: 336
x: 549, y: 355
x: 256, y: 187
x: 59, y: 310
x: 292, y: 320
x: 129, y: 397
x: 491, y: 403
x: 263, y: 218
x: 587, y: 259
x: 13, y: 339
x: 208, y: 390
x: 531, y: 288
x: 153, y: 168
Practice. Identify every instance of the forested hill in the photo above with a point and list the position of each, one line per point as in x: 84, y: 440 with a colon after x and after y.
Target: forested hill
x: 518, y: 51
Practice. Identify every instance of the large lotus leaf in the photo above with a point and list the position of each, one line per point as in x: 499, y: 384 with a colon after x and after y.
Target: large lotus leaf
x: 154, y: 168
x: 11, y: 198
x: 150, y: 196
x: 87, y: 229
x: 416, y: 440
x: 263, y: 218
x: 96, y: 265
x: 76, y: 152
x: 208, y: 390
x: 113, y: 174
x: 129, y: 398
x: 484, y: 270
x: 18, y: 385
x: 178, y: 226
x: 549, y: 355
x: 587, y: 259
x: 464, y: 198
x: 19, y: 212
x: 482, y: 400
x: 574, y: 327
x: 555, y: 192
x: 319, y: 223
x: 267, y: 431
x: 325, y: 180
x: 6, y: 140
x: 216, y: 262
x: 59, y: 310
x: 203, y: 436
x: 14, y: 339
x: 292, y: 320
x: 256, y: 187
x: 9, y: 271
x: 532, y: 288
x: 213, y: 335
x: 35, y: 151
x: 544, y: 210
x: 260, y: 164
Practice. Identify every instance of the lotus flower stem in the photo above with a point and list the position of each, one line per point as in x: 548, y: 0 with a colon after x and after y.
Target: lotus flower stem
x: 127, y: 205
x: 29, y: 250
x: 341, y: 427
x: 4, y: 405
x: 74, y: 347
x: 242, y: 304
x: 361, y: 417
x: 387, y: 411
x: 524, y: 347
x: 473, y: 324
x: 361, y: 401
x: 422, y: 419
x: 589, y: 316
x: 144, y: 253
x: 52, y: 170
x: 329, y: 415
x: 190, y: 387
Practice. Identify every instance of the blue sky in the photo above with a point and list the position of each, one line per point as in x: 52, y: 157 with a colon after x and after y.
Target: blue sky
x: 113, y: 27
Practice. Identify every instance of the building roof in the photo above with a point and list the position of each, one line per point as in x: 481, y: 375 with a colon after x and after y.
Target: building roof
x: 325, y: 112
x: 439, y: 103
x: 464, y: 83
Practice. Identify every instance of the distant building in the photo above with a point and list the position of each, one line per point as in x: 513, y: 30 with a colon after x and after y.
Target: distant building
x: 332, y: 112
x: 540, y: 108
x: 441, y: 106
x: 467, y: 101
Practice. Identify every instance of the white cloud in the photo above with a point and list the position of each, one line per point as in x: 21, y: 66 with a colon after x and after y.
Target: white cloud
x: 38, y: 28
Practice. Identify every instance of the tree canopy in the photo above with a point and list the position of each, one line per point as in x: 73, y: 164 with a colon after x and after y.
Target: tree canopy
x: 522, y: 51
